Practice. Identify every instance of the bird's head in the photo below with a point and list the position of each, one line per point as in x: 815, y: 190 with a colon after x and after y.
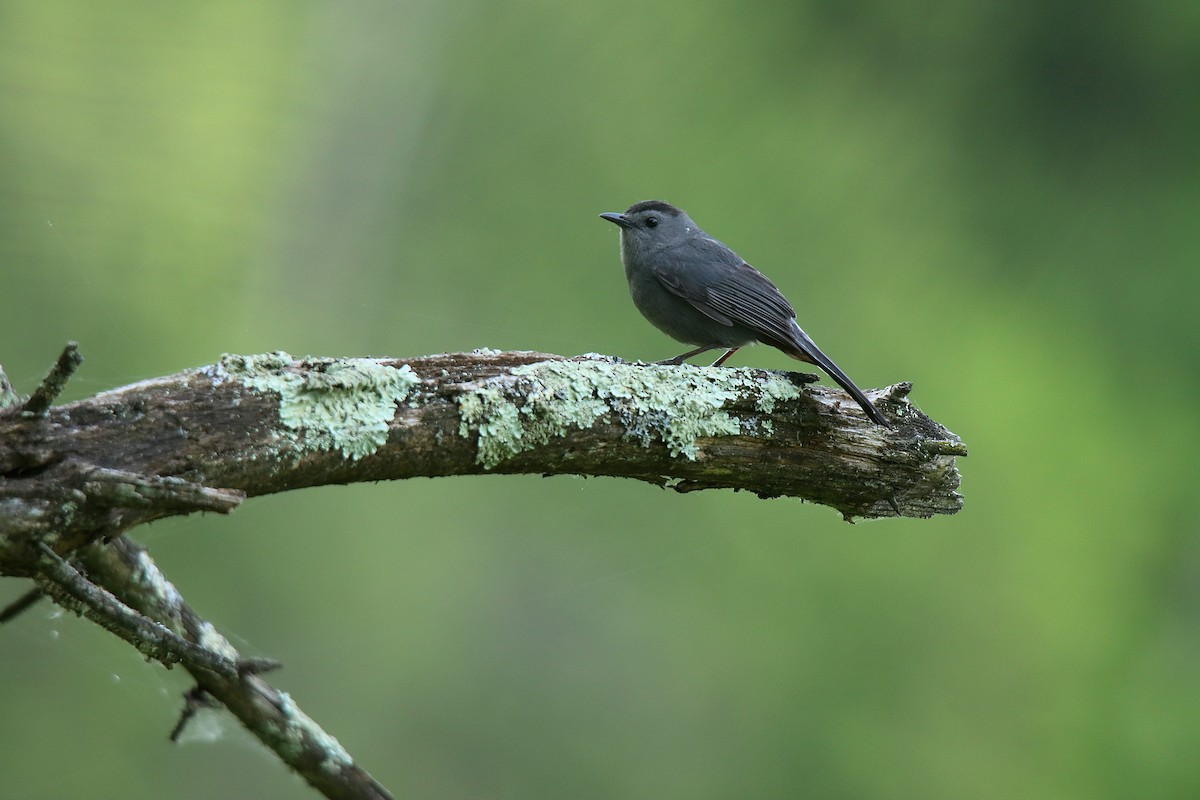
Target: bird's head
x: 650, y: 225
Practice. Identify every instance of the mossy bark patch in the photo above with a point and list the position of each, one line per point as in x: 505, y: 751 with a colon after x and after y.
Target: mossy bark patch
x: 334, y: 404
x: 676, y: 405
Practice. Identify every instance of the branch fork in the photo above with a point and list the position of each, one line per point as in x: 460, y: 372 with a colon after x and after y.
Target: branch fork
x: 75, y: 478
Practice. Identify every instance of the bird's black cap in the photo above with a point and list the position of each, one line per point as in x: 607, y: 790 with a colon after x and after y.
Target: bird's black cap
x: 653, y: 205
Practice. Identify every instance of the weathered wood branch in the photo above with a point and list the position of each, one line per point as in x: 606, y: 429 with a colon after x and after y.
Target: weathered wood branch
x: 56, y: 380
x: 252, y: 425
x: 74, y: 477
x: 273, y: 716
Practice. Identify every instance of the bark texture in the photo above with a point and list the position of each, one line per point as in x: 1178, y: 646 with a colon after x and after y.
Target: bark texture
x: 250, y: 425
x: 74, y: 477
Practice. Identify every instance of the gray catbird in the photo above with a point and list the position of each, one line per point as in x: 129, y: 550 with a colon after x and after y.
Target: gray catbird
x: 695, y: 289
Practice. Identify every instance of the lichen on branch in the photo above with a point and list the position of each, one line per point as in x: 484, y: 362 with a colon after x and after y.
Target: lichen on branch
x: 533, y: 404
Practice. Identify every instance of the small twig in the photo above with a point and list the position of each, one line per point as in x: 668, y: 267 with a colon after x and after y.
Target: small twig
x: 120, y: 488
x: 55, y: 381
x: 194, y: 700
x: 257, y: 665
x: 9, y: 396
x: 269, y: 714
x: 72, y: 590
x: 21, y: 605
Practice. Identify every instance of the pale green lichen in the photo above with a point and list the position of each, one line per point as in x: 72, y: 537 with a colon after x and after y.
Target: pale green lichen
x: 211, y: 640
x: 676, y: 405
x: 773, y: 390
x: 332, y: 404
x: 300, y: 728
x: 8, y: 395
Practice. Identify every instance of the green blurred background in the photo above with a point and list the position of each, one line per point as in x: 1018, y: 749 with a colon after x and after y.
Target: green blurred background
x: 999, y: 202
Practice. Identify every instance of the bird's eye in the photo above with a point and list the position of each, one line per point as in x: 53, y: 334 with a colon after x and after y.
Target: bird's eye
x: 651, y: 222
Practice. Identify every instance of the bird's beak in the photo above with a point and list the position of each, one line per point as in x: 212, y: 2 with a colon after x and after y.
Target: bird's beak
x: 617, y: 219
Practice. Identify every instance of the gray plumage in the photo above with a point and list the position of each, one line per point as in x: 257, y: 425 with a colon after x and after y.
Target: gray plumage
x: 696, y: 290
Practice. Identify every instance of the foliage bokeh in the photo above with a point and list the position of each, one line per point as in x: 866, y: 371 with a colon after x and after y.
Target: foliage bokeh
x: 995, y: 201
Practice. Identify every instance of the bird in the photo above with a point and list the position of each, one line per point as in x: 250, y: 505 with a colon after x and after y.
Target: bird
x: 700, y: 292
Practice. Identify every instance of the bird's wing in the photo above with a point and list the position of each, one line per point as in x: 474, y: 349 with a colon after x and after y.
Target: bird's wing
x: 694, y: 293
x: 730, y: 290
x: 719, y: 283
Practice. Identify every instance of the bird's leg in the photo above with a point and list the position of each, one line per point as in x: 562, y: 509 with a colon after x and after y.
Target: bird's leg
x: 728, y: 353
x: 677, y: 360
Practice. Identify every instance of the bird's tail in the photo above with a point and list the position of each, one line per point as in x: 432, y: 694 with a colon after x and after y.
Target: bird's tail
x: 807, y: 350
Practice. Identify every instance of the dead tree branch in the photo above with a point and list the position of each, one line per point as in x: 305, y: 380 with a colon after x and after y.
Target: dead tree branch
x: 269, y: 714
x: 250, y: 425
x: 74, y: 477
